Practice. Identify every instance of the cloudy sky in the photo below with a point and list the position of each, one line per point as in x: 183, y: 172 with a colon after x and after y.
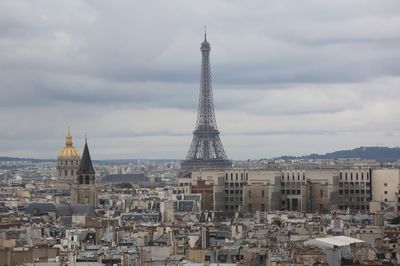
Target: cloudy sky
x: 289, y: 77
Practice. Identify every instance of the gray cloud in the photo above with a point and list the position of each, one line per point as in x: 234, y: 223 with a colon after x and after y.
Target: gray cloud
x: 127, y: 73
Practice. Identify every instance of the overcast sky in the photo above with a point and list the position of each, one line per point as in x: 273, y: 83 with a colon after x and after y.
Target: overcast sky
x: 289, y: 77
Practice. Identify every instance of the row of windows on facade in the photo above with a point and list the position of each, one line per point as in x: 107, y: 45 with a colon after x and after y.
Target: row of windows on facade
x: 236, y: 176
x: 233, y: 184
x: 72, y: 172
x: 291, y: 192
x: 293, y: 176
x: 355, y: 199
x: 351, y: 176
x: 354, y: 184
x: 354, y: 191
x: 292, y: 184
x: 71, y: 163
x: 357, y: 207
x: 233, y: 199
x: 237, y: 191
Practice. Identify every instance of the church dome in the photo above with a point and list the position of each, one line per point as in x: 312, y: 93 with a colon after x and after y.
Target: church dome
x: 69, y: 150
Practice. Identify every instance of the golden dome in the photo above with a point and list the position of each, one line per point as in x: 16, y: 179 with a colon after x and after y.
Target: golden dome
x: 69, y: 149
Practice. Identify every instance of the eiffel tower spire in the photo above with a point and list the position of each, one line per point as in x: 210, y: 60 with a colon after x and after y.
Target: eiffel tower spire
x: 206, y: 150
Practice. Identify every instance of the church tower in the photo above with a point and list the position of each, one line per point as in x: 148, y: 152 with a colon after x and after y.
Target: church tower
x: 68, y: 162
x: 83, y: 190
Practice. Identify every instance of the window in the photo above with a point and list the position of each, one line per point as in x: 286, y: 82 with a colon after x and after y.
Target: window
x: 262, y: 207
x: 385, y: 192
x: 385, y: 184
x: 322, y: 193
x: 340, y: 175
x: 357, y: 176
x: 262, y: 193
x: 65, y: 172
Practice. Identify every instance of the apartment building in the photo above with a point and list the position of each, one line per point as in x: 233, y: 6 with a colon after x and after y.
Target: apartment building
x: 305, y: 190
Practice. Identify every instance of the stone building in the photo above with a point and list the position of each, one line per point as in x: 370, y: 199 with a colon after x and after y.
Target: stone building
x: 385, y: 188
x: 305, y: 190
x: 354, y: 189
x: 84, y: 188
x: 68, y: 161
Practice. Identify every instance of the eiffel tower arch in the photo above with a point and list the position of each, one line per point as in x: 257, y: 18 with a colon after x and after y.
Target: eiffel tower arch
x: 206, y: 150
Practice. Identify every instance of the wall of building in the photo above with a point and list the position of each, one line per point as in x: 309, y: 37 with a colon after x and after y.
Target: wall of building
x: 309, y: 190
x: 354, y: 189
x: 385, y: 184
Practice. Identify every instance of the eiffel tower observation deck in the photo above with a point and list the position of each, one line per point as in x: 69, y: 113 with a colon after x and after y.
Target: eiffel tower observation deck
x: 206, y: 150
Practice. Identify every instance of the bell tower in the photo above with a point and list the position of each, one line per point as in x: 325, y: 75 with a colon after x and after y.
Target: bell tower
x: 83, y: 190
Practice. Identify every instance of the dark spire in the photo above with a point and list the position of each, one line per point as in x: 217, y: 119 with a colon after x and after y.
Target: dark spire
x: 86, y: 166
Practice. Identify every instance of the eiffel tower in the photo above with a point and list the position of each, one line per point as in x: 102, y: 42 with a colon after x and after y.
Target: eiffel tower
x: 206, y: 150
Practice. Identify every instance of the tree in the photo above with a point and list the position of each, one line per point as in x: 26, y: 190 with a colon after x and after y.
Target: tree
x: 395, y: 220
x: 125, y: 185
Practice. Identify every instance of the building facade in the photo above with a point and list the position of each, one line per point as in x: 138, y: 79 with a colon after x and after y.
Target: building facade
x: 304, y: 190
x: 84, y: 190
x: 68, y: 161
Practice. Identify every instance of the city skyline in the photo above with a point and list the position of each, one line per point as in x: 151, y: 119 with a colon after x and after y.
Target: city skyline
x: 324, y: 79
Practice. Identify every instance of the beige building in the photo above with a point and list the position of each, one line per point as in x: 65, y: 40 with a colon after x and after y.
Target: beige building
x: 306, y: 190
x: 385, y: 189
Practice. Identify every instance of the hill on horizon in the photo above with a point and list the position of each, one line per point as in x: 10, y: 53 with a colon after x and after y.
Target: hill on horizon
x: 381, y: 154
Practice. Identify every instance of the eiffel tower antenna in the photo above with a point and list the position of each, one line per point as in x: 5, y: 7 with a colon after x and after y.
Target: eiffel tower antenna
x: 206, y: 150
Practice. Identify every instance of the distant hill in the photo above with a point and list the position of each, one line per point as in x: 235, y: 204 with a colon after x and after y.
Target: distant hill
x: 8, y: 159
x: 381, y: 154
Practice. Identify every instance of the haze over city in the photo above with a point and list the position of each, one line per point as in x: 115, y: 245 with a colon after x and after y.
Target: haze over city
x: 289, y: 78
